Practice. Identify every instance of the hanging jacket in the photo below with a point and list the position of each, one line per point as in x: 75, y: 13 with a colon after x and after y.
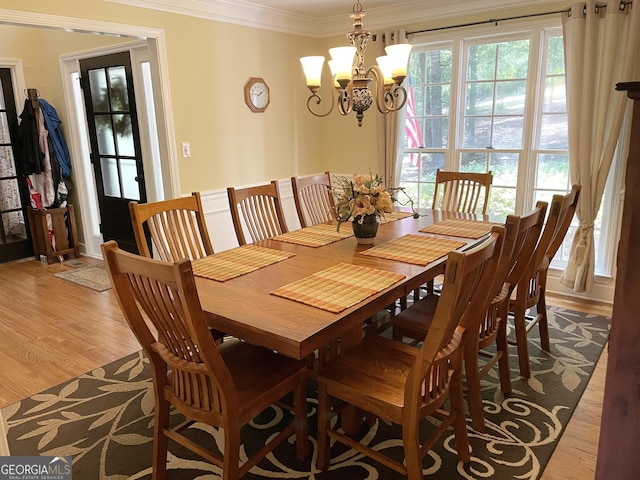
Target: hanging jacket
x: 28, y: 155
x: 54, y: 127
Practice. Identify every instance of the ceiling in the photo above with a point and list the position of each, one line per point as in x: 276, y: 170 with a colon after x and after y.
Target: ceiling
x: 324, y: 18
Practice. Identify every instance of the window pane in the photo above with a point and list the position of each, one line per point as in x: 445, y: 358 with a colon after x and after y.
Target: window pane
x: 118, y: 89
x: 552, y: 173
x: 555, y: 95
x: 110, y: 178
x: 10, y: 197
x: 504, y: 167
x: 555, y: 56
x: 482, y: 62
x: 438, y: 66
x: 553, y: 132
x: 4, y: 128
x: 14, y: 226
x: 477, y: 132
x: 502, y: 201
x: 124, y: 134
x: 429, y: 163
x: 436, y: 133
x: 129, y: 174
x: 510, y: 97
x: 104, y: 133
x: 7, y: 165
x: 513, y: 59
x: 474, y: 162
x: 480, y: 98
x: 99, y: 97
x: 437, y: 100
x: 507, y: 132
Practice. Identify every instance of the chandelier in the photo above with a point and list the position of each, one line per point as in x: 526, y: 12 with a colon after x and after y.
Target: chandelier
x: 351, y: 79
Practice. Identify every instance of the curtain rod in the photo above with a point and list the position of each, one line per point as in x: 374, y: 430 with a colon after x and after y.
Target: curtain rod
x: 623, y: 4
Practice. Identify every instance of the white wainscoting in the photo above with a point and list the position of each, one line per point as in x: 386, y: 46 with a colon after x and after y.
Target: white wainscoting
x: 215, y: 204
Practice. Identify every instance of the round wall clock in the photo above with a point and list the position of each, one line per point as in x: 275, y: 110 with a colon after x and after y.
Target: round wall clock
x: 256, y: 94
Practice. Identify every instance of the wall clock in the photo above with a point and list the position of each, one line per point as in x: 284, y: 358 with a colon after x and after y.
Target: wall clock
x: 256, y: 94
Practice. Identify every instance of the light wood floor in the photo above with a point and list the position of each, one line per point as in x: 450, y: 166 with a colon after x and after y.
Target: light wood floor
x: 52, y: 330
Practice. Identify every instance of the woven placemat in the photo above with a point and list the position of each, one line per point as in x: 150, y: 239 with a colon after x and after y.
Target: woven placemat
x: 339, y: 287
x: 460, y: 228
x: 315, y: 236
x: 393, y: 216
x: 237, y: 261
x: 416, y: 249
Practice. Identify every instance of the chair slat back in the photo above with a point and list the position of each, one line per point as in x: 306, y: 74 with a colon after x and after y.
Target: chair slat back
x: 164, y: 294
x: 464, y: 192
x: 468, y: 285
x: 259, y: 208
x: 313, y: 199
x: 177, y: 228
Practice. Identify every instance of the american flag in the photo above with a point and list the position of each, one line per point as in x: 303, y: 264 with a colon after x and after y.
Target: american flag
x: 413, y: 131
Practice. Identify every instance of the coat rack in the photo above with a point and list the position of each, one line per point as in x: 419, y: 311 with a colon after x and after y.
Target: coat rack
x: 34, y: 95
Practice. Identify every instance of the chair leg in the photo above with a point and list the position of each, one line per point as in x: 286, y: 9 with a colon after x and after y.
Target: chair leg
x: 459, y: 424
x: 543, y: 324
x: 324, y: 423
x: 160, y: 440
x: 411, y: 444
x: 231, y: 458
x: 520, y: 324
x: 301, y: 423
x: 474, y: 392
x: 503, y: 362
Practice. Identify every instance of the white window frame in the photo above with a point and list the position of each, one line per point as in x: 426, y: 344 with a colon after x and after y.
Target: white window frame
x: 458, y: 40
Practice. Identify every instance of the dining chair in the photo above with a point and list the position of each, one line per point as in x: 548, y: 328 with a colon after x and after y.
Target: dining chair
x: 530, y: 289
x: 260, y: 208
x: 224, y: 385
x: 484, y: 330
x: 465, y: 192
x: 177, y: 228
x: 404, y: 384
x: 313, y: 199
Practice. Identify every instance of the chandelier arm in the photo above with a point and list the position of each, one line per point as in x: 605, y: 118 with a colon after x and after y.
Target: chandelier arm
x: 345, y: 99
x: 392, y: 96
x: 318, y: 99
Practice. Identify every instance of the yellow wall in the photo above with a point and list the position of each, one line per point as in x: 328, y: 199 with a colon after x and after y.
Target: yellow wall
x: 209, y: 63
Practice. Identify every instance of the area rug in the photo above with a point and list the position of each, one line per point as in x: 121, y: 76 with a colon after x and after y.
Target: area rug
x: 104, y: 419
x: 94, y: 277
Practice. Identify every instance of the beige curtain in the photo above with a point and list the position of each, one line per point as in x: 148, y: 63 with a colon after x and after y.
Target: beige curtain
x: 600, y: 50
x: 390, y: 133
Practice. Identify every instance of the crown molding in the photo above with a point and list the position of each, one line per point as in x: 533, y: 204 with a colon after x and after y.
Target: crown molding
x: 249, y: 14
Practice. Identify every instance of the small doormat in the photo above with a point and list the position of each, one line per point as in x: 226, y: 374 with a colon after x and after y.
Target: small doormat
x: 94, y: 277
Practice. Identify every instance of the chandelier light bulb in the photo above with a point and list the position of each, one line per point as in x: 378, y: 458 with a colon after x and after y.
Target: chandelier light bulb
x: 399, y: 55
x: 312, y: 67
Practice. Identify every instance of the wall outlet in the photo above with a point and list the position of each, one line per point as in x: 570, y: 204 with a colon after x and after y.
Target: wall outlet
x: 186, y: 149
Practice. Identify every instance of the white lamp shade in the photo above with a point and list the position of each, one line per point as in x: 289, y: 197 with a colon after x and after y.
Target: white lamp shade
x: 342, y: 61
x: 399, y: 55
x: 332, y: 67
x: 385, y: 65
x: 312, y: 67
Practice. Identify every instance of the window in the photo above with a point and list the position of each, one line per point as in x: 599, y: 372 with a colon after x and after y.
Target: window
x: 498, y: 103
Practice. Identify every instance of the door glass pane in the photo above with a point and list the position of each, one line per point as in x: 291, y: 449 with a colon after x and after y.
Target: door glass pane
x: 99, y: 97
x: 124, y: 135
x: 104, y: 131
x: 4, y: 128
x: 110, y: 180
x: 129, y: 183
x: 14, y: 226
x: 9, y: 194
x: 118, y: 89
x: 7, y: 167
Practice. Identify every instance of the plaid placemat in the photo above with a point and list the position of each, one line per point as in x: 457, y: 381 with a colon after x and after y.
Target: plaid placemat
x: 232, y: 263
x: 460, y: 228
x: 416, y: 249
x: 393, y: 216
x: 315, y: 236
x: 339, y: 287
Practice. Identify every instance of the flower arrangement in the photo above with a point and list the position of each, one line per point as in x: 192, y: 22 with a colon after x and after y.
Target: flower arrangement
x: 363, y: 195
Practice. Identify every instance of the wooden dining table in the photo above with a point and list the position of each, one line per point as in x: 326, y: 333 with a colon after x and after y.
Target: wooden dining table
x: 245, y: 306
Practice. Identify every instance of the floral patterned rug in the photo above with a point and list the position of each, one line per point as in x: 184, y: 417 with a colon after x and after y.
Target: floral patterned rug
x: 104, y: 419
